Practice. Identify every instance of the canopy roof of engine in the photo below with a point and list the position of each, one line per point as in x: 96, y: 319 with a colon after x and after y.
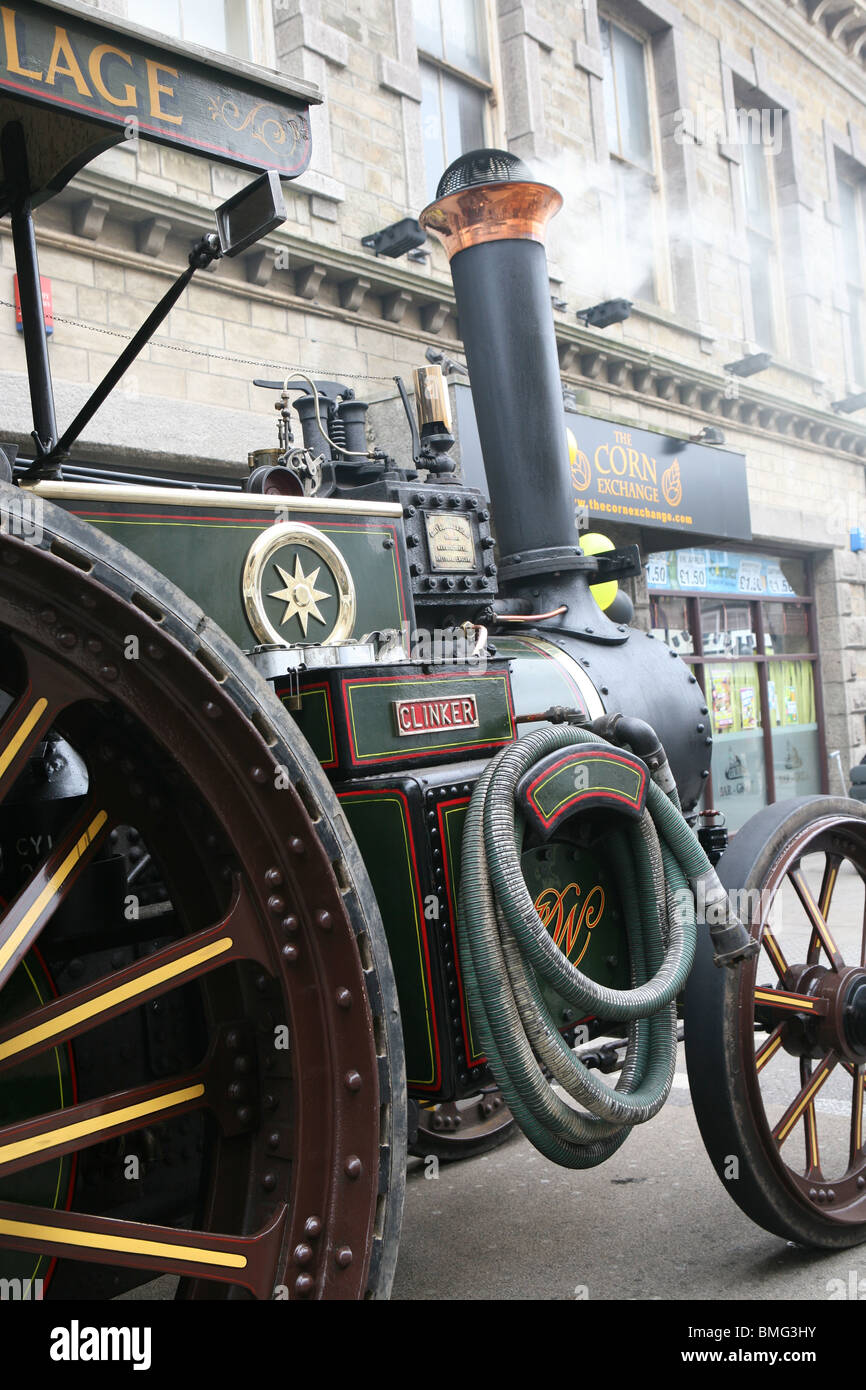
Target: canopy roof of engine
x: 78, y: 81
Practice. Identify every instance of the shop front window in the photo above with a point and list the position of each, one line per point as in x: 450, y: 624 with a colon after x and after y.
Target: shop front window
x: 745, y: 624
x: 727, y: 628
x: 794, y: 728
x: 671, y: 618
x: 739, y: 774
x: 786, y: 629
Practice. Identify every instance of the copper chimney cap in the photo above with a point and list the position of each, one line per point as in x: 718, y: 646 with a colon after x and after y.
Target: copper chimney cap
x: 489, y: 195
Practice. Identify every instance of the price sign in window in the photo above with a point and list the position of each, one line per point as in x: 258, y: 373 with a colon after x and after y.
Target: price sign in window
x: 750, y: 577
x: 692, y: 569
x: 657, y: 571
x: 777, y: 584
x: 726, y: 572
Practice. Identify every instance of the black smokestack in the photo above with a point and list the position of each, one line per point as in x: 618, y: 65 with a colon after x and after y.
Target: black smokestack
x: 491, y: 217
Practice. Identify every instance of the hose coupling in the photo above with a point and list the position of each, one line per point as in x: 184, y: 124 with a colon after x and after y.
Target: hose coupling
x: 732, y: 943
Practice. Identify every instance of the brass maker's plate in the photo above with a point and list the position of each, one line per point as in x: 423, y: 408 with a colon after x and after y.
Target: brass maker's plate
x: 431, y: 715
x: 297, y: 587
x: 450, y: 542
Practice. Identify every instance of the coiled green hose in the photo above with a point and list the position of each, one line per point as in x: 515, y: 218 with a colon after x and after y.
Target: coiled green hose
x: 505, y: 950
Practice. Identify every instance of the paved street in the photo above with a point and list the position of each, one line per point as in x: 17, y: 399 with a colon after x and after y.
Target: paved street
x: 654, y: 1222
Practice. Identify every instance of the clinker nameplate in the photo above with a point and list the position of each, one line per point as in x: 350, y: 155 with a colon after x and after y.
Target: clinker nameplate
x: 429, y: 715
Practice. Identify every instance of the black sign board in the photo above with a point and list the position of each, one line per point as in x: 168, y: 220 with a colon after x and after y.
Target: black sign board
x: 111, y: 81
x: 623, y: 474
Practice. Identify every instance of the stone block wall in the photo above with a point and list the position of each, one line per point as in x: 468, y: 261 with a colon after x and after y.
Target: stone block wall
x: 312, y: 296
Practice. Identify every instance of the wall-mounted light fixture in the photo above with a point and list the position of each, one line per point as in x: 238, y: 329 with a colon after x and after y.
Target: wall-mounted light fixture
x: 709, y: 434
x: 397, y: 239
x: 850, y: 403
x: 604, y: 314
x: 751, y: 364
x: 447, y: 364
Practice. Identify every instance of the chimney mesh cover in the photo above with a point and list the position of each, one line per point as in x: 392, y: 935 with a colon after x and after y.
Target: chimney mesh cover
x: 482, y: 166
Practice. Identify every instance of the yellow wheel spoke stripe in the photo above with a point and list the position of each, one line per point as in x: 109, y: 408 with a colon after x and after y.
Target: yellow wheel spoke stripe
x: 774, y: 953
x: 126, y: 1245
x: 770, y: 1049
x: 822, y: 930
x: 58, y: 878
x: 828, y: 889
x: 782, y: 1000
x: 812, y: 1135
x: 119, y: 995
x: 22, y: 733
x: 82, y: 1129
x: 817, y: 1082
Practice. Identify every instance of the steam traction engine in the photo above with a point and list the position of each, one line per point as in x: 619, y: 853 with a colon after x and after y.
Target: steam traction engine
x: 335, y: 810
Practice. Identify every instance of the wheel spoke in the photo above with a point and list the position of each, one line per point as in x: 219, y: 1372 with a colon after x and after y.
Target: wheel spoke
x: 786, y: 999
x: 232, y: 939
x: 774, y: 951
x: 820, y: 930
x: 25, y: 724
x: 813, y: 1161
x: 828, y: 883
x: 810, y: 1124
x: 804, y: 1098
x: 50, y: 884
x: 856, y: 1145
x: 245, y: 1260
x: 29, y: 718
x: 64, y: 1131
x: 769, y: 1048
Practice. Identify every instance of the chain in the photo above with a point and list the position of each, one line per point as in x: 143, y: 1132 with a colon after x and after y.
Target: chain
x: 210, y: 356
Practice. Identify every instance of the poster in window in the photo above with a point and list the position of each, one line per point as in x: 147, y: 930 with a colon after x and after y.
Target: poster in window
x: 791, y: 704
x: 748, y: 707
x: 775, y: 717
x: 723, y: 710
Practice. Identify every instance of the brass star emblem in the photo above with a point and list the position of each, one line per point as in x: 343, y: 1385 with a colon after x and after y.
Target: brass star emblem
x: 300, y: 595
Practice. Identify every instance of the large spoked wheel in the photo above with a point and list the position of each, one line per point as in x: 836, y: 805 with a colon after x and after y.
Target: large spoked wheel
x: 244, y: 1033
x: 776, y: 1049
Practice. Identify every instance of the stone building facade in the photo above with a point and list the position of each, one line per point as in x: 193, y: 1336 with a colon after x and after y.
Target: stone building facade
x: 712, y: 156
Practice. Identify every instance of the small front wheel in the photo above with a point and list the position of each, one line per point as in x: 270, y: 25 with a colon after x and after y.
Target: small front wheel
x: 776, y: 1048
